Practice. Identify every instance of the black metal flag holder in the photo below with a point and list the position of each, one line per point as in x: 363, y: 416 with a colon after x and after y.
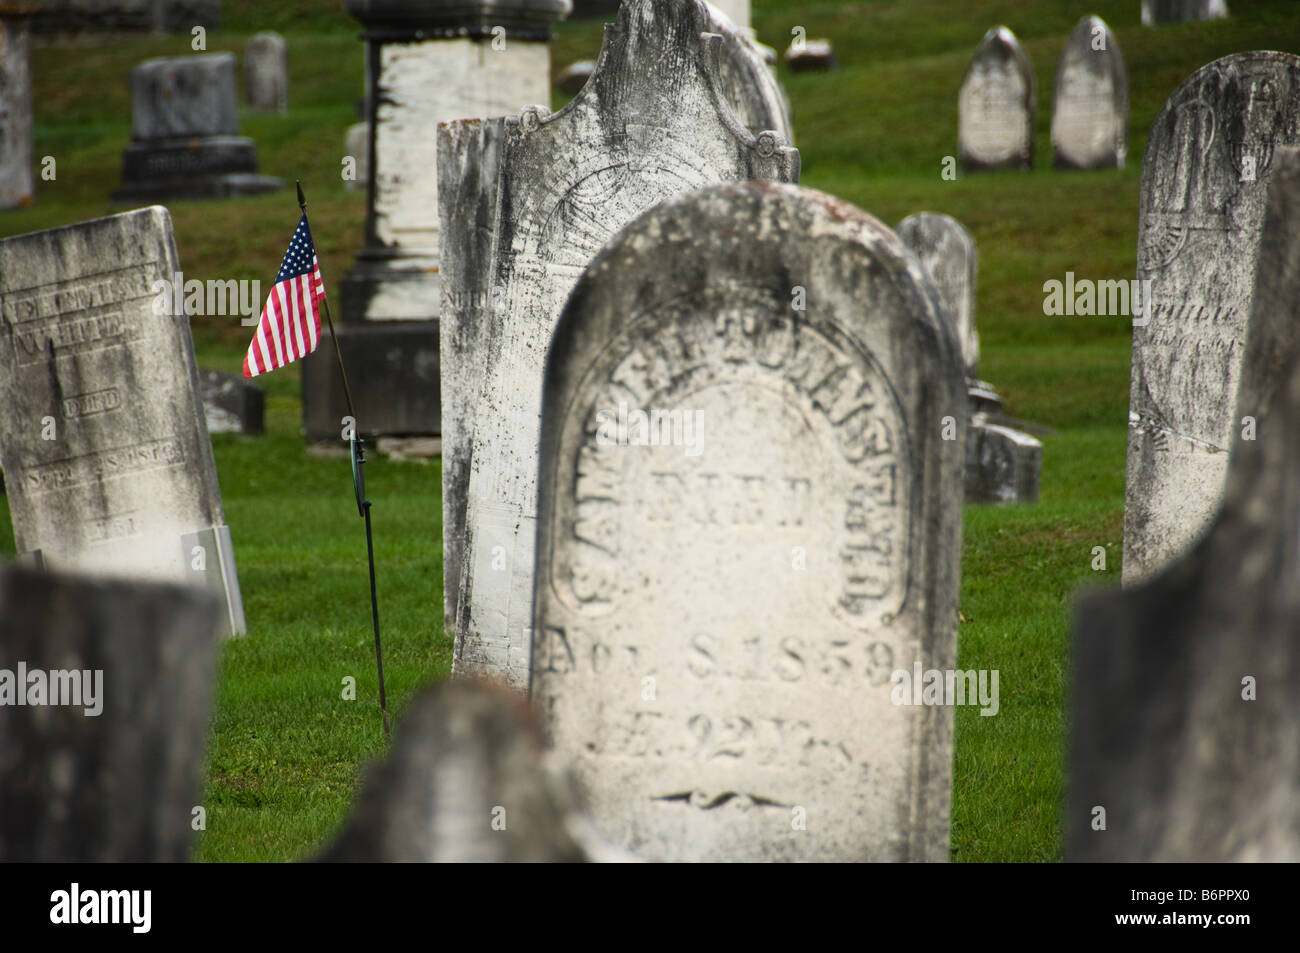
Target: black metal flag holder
x: 359, y: 487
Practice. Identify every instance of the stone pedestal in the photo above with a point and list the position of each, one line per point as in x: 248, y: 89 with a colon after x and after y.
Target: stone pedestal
x: 185, y: 141
x: 15, y: 106
x: 429, y: 61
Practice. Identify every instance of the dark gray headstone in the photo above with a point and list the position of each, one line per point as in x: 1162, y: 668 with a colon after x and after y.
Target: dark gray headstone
x: 1090, y: 105
x: 465, y: 782
x: 185, y: 141
x: 266, y: 73
x: 1181, y: 11
x: 119, y: 785
x: 108, y: 463
x: 527, y: 203
x: 996, y: 106
x: 1185, y: 727
x: 15, y: 110
x: 1204, y: 182
x: 230, y: 403
x: 720, y: 611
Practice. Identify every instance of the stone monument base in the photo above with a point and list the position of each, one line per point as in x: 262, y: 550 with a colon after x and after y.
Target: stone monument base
x: 198, y: 168
x: 393, y: 369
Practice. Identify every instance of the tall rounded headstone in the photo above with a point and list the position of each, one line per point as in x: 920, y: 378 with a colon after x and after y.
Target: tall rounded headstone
x: 947, y: 252
x: 996, y: 106
x: 1204, y: 183
x: 1090, y: 105
x: 727, y: 586
x: 15, y: 106
x: 266, y: 73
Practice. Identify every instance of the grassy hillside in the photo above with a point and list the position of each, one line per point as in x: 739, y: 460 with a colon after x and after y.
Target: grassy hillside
x: 286, y: 748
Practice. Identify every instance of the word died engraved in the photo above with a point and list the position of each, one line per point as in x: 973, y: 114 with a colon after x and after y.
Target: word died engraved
x: 86, y: 405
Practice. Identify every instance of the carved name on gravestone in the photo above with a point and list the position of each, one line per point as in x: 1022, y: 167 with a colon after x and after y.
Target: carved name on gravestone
x: 15, y: 108
x: 726, y: 588
x: 1178, y: 11
x: 108, y: 465
x: 1185, y: 729
x: 996, y: 105
x: 185, y: 141
x: 527, y: 203
x: 466, y: 782
x: 105, y: 693
x: 1204, y: 182
x: 266, y: 72
x: 1090, y: 106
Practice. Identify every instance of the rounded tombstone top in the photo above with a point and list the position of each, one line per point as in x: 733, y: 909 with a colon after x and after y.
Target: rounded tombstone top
x: 398, y: 20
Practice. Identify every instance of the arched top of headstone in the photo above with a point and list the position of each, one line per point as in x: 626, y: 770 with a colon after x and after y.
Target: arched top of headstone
x: 662, y: 55
x: 1212, y: 143
x: 268, y: 39
x: 399, y: 20
x: 999, y: 46
x: 947, y: 252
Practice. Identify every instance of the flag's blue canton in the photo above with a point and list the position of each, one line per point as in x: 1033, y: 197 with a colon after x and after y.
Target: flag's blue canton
x: 298, y: 259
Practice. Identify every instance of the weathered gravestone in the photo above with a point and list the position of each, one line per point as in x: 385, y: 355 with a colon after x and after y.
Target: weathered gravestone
x: 1185, y: 730
x: 15, y: 107
x: 527, y: 203
x: 427, y: 62
x: 1002, y: 463
x: 231, y: 404
x: 1090, y: 106
x: 947, y: 253
x: 105, y: 692
x: 1179, y: 11
x: 996, y: 106
x: 466, y: 782
x: 725, y: 590
x: 185, y: 141
x: 1204, y: 182
x: 266, y: 72
x: 108, y: 465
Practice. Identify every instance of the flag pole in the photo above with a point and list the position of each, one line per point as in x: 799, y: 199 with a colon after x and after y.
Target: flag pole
x: 358, y: 484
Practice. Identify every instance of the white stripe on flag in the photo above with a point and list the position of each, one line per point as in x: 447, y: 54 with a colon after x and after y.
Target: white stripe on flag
x: 277, y: 306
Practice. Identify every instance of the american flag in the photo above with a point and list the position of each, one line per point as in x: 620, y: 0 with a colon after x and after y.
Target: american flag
x: 290, y: 325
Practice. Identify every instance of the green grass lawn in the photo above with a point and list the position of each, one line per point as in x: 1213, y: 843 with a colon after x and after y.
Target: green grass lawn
x: 286, y: 749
